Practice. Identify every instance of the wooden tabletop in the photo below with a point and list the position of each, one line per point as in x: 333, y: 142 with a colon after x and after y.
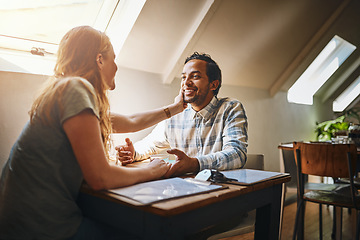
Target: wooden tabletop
x: 289, y: 146
x: 286, y: 146
x: 180, y: 205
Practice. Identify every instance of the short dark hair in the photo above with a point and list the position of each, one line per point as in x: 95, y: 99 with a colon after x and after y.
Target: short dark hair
x: 212, y: 69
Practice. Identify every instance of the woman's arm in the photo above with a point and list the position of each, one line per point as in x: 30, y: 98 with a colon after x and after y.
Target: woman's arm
x: 83, y: 131
x: 139, y: 121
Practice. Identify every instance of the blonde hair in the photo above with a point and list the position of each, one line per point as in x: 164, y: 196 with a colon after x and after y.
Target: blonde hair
x: 76, y: 57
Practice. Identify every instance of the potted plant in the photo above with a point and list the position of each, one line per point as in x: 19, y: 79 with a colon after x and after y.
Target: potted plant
x: 328, y: 129
x: 339, y: 126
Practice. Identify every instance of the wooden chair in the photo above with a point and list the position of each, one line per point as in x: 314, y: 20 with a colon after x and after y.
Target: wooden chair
x: 325, y: 160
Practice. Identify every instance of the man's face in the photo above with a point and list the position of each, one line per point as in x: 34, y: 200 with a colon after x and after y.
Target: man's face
x: 195, y: 84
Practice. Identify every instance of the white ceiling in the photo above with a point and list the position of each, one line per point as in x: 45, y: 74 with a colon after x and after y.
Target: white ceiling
x: 259, y: 44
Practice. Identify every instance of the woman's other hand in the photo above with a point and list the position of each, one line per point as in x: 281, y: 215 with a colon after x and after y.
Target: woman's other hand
x: 179, y: 99
x: 158, y: 167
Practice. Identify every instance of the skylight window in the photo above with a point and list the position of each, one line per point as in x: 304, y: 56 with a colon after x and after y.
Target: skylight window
x: 39, y: 22
x: 320, y: 70
x: 34, y: 28
x: 347, y: 97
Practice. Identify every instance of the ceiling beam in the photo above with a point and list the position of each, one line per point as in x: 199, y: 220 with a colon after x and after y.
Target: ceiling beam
x: 306, y: 50
x: 176, y: 62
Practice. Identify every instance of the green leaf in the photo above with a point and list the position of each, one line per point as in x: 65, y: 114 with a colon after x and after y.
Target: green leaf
x: 327, y: 129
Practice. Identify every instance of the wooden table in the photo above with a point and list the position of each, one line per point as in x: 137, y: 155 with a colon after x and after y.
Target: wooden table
x: 289, y: 147
x: 178, y: 218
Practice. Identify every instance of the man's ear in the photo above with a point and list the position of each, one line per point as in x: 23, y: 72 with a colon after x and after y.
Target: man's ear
x: 214, y: 85
x: 99, y: 60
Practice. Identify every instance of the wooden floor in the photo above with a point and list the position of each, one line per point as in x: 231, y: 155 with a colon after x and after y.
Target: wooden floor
x: 311, y: 223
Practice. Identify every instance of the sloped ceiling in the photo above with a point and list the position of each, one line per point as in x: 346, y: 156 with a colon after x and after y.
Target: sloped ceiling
x: 258, y: 44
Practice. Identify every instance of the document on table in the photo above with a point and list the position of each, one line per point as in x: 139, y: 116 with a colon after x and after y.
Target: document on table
x: 249, y: 176
x: 154, y: 191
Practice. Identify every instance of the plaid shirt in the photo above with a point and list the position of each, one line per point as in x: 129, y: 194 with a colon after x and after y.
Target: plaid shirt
x: 216, y: 135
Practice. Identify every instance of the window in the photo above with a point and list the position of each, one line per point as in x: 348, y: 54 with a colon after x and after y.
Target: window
x: 319, y: 71
x: 30, y: 30
x: 347, y: 97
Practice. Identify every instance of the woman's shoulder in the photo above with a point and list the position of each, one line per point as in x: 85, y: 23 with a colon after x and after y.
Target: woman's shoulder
x: 75, y: 84
x: 75, y: 81
x: 77, y: 94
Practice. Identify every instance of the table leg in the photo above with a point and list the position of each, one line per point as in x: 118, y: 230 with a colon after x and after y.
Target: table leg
x: 268, y: 217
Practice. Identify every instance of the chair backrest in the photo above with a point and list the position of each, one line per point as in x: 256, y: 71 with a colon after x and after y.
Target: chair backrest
x: 255, y: 161
x: 325, y: 159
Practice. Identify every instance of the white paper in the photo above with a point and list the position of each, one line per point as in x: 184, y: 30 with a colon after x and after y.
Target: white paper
x: 159, y: 190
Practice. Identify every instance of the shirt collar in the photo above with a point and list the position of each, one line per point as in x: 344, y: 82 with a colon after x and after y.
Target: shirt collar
x: 207, y: 111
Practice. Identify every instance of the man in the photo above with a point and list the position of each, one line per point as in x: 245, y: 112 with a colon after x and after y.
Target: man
x: 211, y: 133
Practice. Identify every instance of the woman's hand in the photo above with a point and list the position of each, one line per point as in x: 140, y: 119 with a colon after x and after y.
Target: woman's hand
x: 158, y: 167
x: 179, y: 104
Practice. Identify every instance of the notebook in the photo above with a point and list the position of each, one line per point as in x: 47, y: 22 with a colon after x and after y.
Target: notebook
x: 155, y: 191
x: 249, y: 176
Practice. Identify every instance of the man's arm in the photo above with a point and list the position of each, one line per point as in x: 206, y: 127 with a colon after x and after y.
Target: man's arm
x: 152, y: 144
x: 234, y: 150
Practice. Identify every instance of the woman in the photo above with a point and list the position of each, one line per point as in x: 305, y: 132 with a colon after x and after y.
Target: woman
x: 66, y: 142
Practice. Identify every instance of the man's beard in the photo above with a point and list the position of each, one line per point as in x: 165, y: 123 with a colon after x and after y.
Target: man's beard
x: 197, y: 99
x: 189, y: 99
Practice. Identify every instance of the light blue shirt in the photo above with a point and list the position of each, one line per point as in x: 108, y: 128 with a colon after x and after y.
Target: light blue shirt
x: 216, y: 135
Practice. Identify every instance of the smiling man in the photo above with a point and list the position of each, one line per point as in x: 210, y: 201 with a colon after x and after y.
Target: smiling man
x: 210, y: 134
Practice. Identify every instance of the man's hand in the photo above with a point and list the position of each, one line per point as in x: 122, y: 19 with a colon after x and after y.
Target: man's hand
x: 125, y: 153
x: 183, y: 164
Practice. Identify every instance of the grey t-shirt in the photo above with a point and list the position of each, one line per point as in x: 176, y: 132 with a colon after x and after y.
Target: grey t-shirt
x: 41, y: 179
